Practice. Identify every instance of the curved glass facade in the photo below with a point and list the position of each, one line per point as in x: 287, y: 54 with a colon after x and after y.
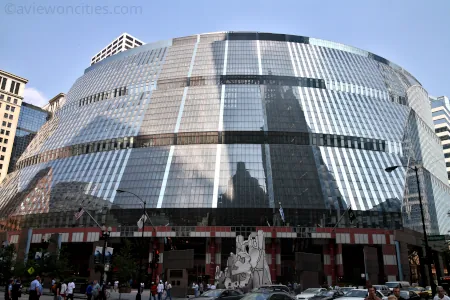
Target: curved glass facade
x: 222, y: 128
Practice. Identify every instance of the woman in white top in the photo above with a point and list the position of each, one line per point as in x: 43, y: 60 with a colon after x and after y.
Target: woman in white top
x: 63, y: 290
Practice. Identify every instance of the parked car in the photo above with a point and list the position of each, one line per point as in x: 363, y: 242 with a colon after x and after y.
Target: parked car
x: 346, y: 289
x: 309, y: 293
x: 275, y: 288
x: 328, y: 295
x: 267, y: 295
x: 409, y: 295
x: 360, y: 294
x: 384, y: 289
x: 401, y: 284
x: 222, y: 294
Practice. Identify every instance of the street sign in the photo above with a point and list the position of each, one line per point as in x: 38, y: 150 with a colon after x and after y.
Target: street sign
x: 436, y: 237
x: 30, y: 270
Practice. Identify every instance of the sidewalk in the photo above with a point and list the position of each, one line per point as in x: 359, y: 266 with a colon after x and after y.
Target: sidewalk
x: 114, y: 295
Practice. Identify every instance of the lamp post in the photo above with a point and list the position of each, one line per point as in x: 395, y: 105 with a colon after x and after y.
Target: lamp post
x: 106, y: 233
x: 138, y: 295
x: 427, y: 247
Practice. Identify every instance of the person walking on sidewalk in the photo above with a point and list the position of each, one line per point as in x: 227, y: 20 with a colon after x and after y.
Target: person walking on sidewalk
x: 160, y: 290
x: 70, y: 290
x: 34, y: 289
x: 168, y: 289
x: 96, y: 290
x: 89, y: 291
x: 63, y: 290
x: 153, y: 291
x: 16, y: 291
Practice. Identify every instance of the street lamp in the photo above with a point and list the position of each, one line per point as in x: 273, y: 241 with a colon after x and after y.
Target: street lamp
x: 427, y: 247
x: 106, y: 233
x: 138, y: 295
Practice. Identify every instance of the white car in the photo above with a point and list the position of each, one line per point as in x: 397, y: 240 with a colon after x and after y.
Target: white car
x: 360, y: 294
x: 309, y: 293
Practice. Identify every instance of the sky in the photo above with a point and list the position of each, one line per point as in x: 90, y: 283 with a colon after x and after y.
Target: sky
x: 51, y: 42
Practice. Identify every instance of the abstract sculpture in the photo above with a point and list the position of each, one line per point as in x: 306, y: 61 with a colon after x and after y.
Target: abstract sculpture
x: 248, y: 267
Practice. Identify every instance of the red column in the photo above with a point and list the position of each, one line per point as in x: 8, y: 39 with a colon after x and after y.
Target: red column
x: 327, y: 261
x: 390, y: 262
x: 212, y: 254
x: 273, y: 268
x: 278, y: 259
x: 332, y: 263
x: 339, y: 261
x: 161, y: 255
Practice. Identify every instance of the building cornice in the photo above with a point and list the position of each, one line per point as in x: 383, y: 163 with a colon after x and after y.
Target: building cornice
x: 21, y: 79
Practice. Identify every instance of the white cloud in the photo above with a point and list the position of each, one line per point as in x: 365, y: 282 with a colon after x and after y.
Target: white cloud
x: 34, y: 96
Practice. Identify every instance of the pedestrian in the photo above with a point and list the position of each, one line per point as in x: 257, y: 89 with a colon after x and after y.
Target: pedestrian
x: 95, y: 290
x: 70, y: 290
x: 168, y: 291
x: 153, y: 291
x: 160, y: 289
x: 63, y: 290
x: 372, y: 294
x: 16, y: 291
x: 142, y: 287
x: 441, y: 294
x: 54, y: 289
x: 396, y: 291
x: 53, y: 281
x: 195, y: 287
x: 89, y: 291
x: 34, y: 289
x: 8, y: 289
x: 200, y: 288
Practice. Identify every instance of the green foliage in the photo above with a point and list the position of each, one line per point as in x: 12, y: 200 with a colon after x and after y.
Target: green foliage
x: 50, y: 265
x: 7, y: 260
x: 125, y: 263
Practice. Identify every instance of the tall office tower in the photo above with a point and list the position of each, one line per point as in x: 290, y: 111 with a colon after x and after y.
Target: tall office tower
x: 440, y: 107
x: 124, y: 42
x: 11, y: 91
x: 31, y: 119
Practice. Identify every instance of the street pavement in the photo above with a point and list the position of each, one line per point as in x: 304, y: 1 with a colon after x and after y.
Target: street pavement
x: 114, y: 296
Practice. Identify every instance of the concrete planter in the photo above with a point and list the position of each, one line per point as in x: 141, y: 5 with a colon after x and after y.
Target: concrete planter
x: 124, y: 290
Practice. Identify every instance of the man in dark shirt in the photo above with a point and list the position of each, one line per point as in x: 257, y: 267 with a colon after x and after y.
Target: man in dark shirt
x: 397, y: 293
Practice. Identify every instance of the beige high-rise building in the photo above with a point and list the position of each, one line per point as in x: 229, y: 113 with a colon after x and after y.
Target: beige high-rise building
x: 122, y: 43
x: 440, y: 108
x: 11, y: 91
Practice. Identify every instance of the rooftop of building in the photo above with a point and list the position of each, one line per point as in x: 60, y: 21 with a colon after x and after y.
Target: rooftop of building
x: 251, y: 35
x: 21, y: 79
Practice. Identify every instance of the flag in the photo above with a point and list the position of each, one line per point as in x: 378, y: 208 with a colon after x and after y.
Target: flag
x: 79, y: 213
x: 351, y: 214
x: 141, y: 221
x: 282, y: 213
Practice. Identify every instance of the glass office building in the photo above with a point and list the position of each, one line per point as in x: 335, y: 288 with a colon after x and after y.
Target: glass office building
x: 223, y: 128
x: 31, y: 119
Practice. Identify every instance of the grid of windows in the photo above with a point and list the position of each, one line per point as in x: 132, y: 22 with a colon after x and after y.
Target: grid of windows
x: 237, y: 120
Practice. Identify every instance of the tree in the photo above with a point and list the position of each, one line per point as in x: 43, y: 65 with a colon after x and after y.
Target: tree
x: 125, y: 263
x: 7, y: 259
x: 51, y: 264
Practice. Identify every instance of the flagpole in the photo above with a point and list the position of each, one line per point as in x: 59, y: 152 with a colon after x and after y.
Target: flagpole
x: 91, y: 217
x: 343, y: 214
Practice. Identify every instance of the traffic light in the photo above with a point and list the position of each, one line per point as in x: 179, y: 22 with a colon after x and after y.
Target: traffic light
x: 156, y: 256
x: 351, y: 215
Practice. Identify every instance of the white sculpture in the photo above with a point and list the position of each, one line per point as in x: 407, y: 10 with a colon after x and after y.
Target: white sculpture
x: 248, y: 267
